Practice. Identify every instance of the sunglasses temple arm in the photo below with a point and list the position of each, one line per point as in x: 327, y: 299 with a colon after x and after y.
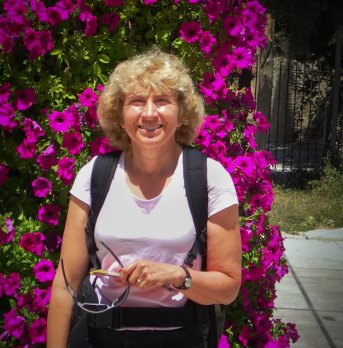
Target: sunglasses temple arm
x: 71, y: 291
x: 112, y: 253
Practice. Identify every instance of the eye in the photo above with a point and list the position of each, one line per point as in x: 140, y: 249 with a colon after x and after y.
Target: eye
x: 135, y: 101
x: 161, y: 101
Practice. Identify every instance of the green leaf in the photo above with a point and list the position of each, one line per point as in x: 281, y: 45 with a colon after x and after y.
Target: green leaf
x: 104, y: 59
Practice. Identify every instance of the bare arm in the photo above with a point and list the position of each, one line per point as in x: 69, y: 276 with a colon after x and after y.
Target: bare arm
x: 75, y: 257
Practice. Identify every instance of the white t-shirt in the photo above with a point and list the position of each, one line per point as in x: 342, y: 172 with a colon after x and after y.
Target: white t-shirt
x: 160, y: 229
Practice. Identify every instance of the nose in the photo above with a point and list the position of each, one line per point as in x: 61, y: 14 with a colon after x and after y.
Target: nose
x: 150, y: 108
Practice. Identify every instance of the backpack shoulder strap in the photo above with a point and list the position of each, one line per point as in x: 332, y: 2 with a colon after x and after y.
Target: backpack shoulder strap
x: 195, y: 177
x: 102, y: 175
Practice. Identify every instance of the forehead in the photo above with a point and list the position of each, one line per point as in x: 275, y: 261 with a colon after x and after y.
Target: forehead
x: 145, y: 92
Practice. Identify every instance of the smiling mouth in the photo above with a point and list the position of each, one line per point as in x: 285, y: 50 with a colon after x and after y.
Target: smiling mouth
x: 150, y: 128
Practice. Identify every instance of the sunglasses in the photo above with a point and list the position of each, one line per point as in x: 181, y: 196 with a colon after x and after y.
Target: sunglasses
x: 98, y: 307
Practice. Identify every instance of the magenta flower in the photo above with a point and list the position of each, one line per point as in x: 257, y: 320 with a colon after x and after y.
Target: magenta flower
x: 49, y: 213
x: 7, y: 121
x: 37, y: 331
x: 27, y: 149
x: 223, y: 343
x: 4, y: 170
x: 149, y: 2
x: 56, y: 15
x: 99, y: 145
x: 47, y: 158
x: 88, y: 97
x: 5, y: 92
x: 25, y: 98
x: 53, y: 241
x: 44, y: 271
x: 73, y: 142
x: 261, y: 121
x: 33, y: 242
x: 7, y: 235
x: 91, y: 22
x: 11, y: 284
x: 232, y: 25
x: 32, y: 130
x: 65, y: 170
x: 91, y: 117
x: 14, y: 324
x: 61, y: 121
x: 111, y: 20
x: 223, y: 64
x: 190, y: 32
x: 245, y: 165
x: 41, y: 299
x: 41, y: 187
x: 242, y: 58
x: 207, y: 40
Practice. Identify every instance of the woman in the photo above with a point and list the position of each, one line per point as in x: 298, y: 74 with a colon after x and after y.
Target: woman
x: 149, y: 108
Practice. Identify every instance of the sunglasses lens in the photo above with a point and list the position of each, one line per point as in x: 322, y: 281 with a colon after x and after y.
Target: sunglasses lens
x: 95, y: 307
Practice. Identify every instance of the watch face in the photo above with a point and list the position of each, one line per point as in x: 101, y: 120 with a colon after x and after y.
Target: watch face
x: 188, y: 283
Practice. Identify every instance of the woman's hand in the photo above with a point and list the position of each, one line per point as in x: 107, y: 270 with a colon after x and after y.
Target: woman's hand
x: 147, y: 274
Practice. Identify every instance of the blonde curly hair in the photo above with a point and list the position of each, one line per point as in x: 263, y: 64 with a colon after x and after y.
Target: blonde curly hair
x: 153, y: 71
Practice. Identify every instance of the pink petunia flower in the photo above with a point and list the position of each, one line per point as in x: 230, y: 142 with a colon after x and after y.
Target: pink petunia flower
x: 49, y: 213
x: 111, y: 20
x: 242, y: 58
x: 33, y: 242
x: 25, y: 98
x: 73, y: 142
x: 5, y: 92
x: 190, y: 32
x: 47, y: 158
x: 7, y: 121
x: 223, y: 343
x: 44, y: 271
x: 53, y: 241
x: 232, y: 25
x: 4, y: 170
x: 99, y: 145
x: 207, y: 40
x: 65, y: 170
x: 32, y: 130
x: 223, y: 64
x: 14, y: 324
x: 40, y: 299
x: 27, y: 148
x: 88, y: 97
x: 41, y: 187
x: 149, y: 2
x: 11, y: 284
x: 61, y: 121
x: 91, y: 22
x: 245, y: 165
x: 37, y: 331
x: 7, y: 235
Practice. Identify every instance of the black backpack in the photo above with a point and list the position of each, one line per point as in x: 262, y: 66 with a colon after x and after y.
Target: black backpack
x: 211, y: 317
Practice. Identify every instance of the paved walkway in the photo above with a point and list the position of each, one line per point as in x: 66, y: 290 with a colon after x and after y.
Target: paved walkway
x: 311, y: 294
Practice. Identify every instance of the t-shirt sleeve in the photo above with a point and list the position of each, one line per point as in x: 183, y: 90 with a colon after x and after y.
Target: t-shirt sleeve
x: 221, y: 190
x: 81, y: 185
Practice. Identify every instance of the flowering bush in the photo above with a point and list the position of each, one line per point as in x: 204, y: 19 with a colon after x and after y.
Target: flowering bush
x: 55, y: 59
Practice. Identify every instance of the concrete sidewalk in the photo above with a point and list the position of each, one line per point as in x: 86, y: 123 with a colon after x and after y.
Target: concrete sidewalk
x: 311, y: 294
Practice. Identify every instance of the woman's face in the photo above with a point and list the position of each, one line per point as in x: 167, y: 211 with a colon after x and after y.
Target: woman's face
x: 150, y: 119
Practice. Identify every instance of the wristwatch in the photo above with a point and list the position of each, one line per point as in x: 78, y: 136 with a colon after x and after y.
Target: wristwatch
x: 187, y: 281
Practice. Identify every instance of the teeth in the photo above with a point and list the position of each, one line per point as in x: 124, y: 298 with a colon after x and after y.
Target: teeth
x: 151, y: 128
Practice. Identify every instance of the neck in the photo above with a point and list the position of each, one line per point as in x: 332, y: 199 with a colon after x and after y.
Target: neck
x: 157, y: 161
